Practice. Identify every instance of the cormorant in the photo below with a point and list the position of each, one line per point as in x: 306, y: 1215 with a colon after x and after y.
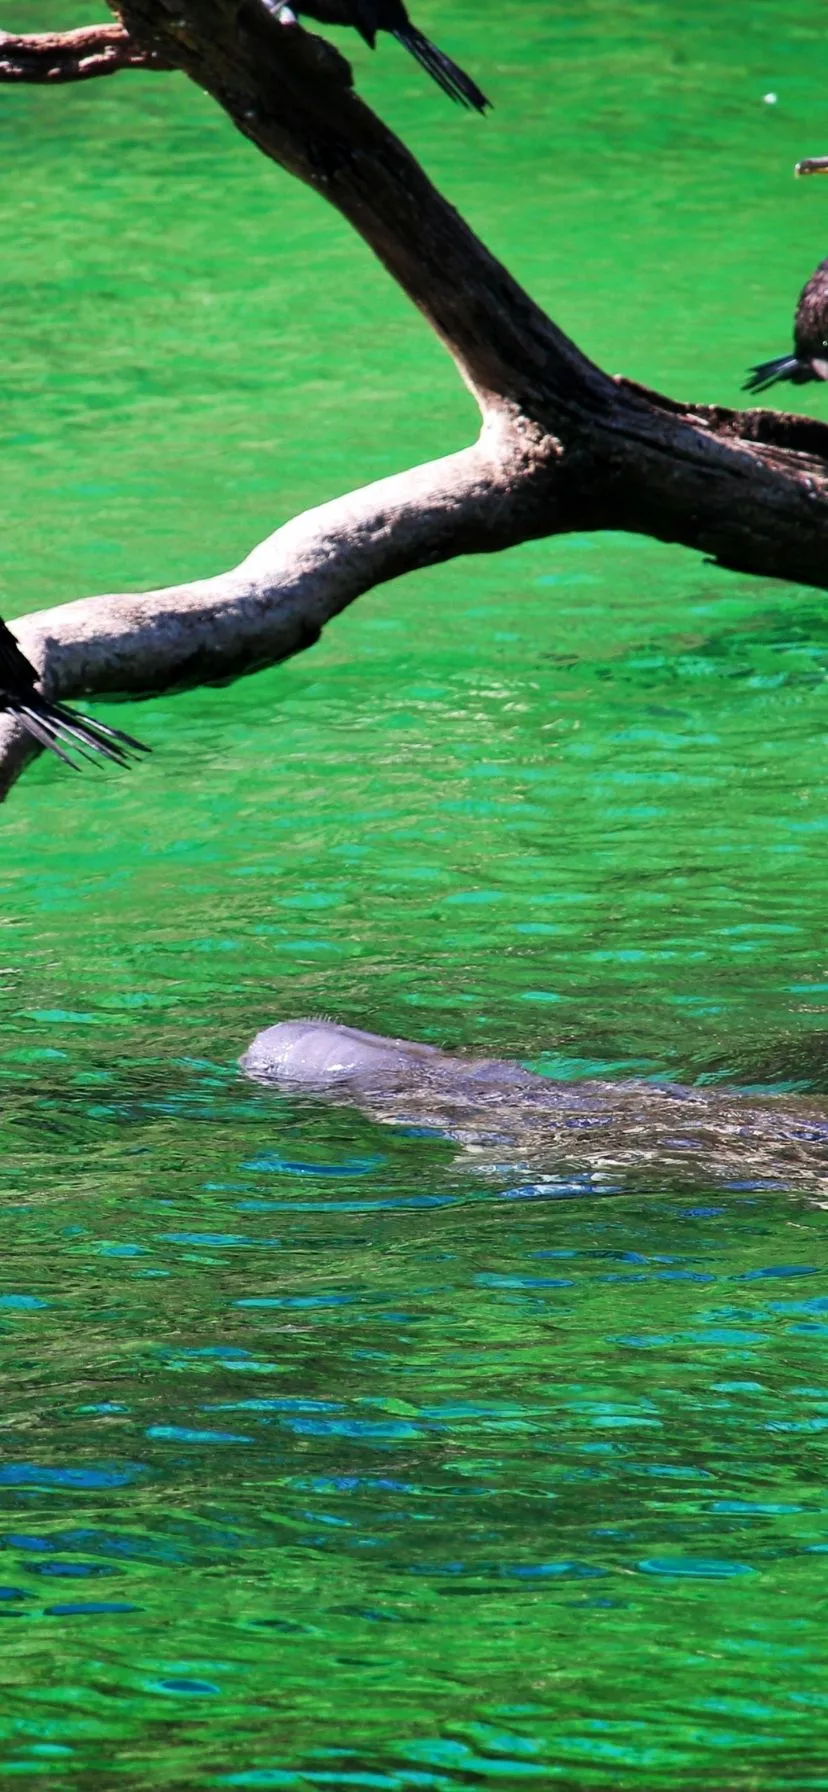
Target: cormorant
x: 370, y: 16
x: 809, y: 360
x: 50, y: 723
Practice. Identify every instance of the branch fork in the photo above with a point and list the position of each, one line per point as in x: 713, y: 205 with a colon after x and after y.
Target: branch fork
x: 564, y: 446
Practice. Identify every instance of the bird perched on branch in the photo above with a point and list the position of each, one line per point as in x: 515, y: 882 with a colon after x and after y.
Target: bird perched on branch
x: 51, y: 724
x: 809, y: 360
x: 370, y: 16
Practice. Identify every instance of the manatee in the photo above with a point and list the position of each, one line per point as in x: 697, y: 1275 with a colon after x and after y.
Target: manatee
x: 490, y: 1106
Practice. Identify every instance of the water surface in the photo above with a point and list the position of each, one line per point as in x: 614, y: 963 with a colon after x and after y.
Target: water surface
x: 328, y: 1460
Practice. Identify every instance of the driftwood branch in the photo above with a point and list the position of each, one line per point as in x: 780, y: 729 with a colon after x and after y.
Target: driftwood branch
x: 73, y: 55
x: 563, y: 446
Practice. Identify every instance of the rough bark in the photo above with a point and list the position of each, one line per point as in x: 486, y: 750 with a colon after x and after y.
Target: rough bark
x: 564, y: 446
x: 73, y: 55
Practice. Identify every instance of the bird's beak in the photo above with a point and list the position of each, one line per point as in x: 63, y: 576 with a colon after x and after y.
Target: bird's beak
x: 820, y: 369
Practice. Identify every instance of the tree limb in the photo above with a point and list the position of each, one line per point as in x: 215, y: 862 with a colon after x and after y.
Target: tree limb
x: 564, y: 445
x: 276, y: 602
x: 73, y: 55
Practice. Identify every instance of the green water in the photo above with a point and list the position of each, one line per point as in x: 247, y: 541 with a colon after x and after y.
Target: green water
x: 325, y: 1460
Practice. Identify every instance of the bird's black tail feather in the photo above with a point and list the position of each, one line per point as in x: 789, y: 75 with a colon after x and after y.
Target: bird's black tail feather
x: 458, y: 86
x: 785, y: 367
x: 51, y: 724
x: 67, y: 733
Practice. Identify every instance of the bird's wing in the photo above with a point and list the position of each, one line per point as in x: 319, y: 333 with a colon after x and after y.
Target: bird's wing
x: 811, y: 322
x: 364, y: 16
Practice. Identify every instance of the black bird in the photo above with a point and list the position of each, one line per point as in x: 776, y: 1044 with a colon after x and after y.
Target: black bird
x: 809, y: 360
x: 370, y: 16
x: 50, y: 723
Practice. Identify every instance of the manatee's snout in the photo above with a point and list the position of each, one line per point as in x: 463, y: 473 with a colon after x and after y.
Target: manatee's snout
x: 315, y: 1054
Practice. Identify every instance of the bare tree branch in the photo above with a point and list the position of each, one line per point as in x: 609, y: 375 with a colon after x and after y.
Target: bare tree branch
x: 73, y: 55
x: 278, y: 599
x: 564, y: 446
